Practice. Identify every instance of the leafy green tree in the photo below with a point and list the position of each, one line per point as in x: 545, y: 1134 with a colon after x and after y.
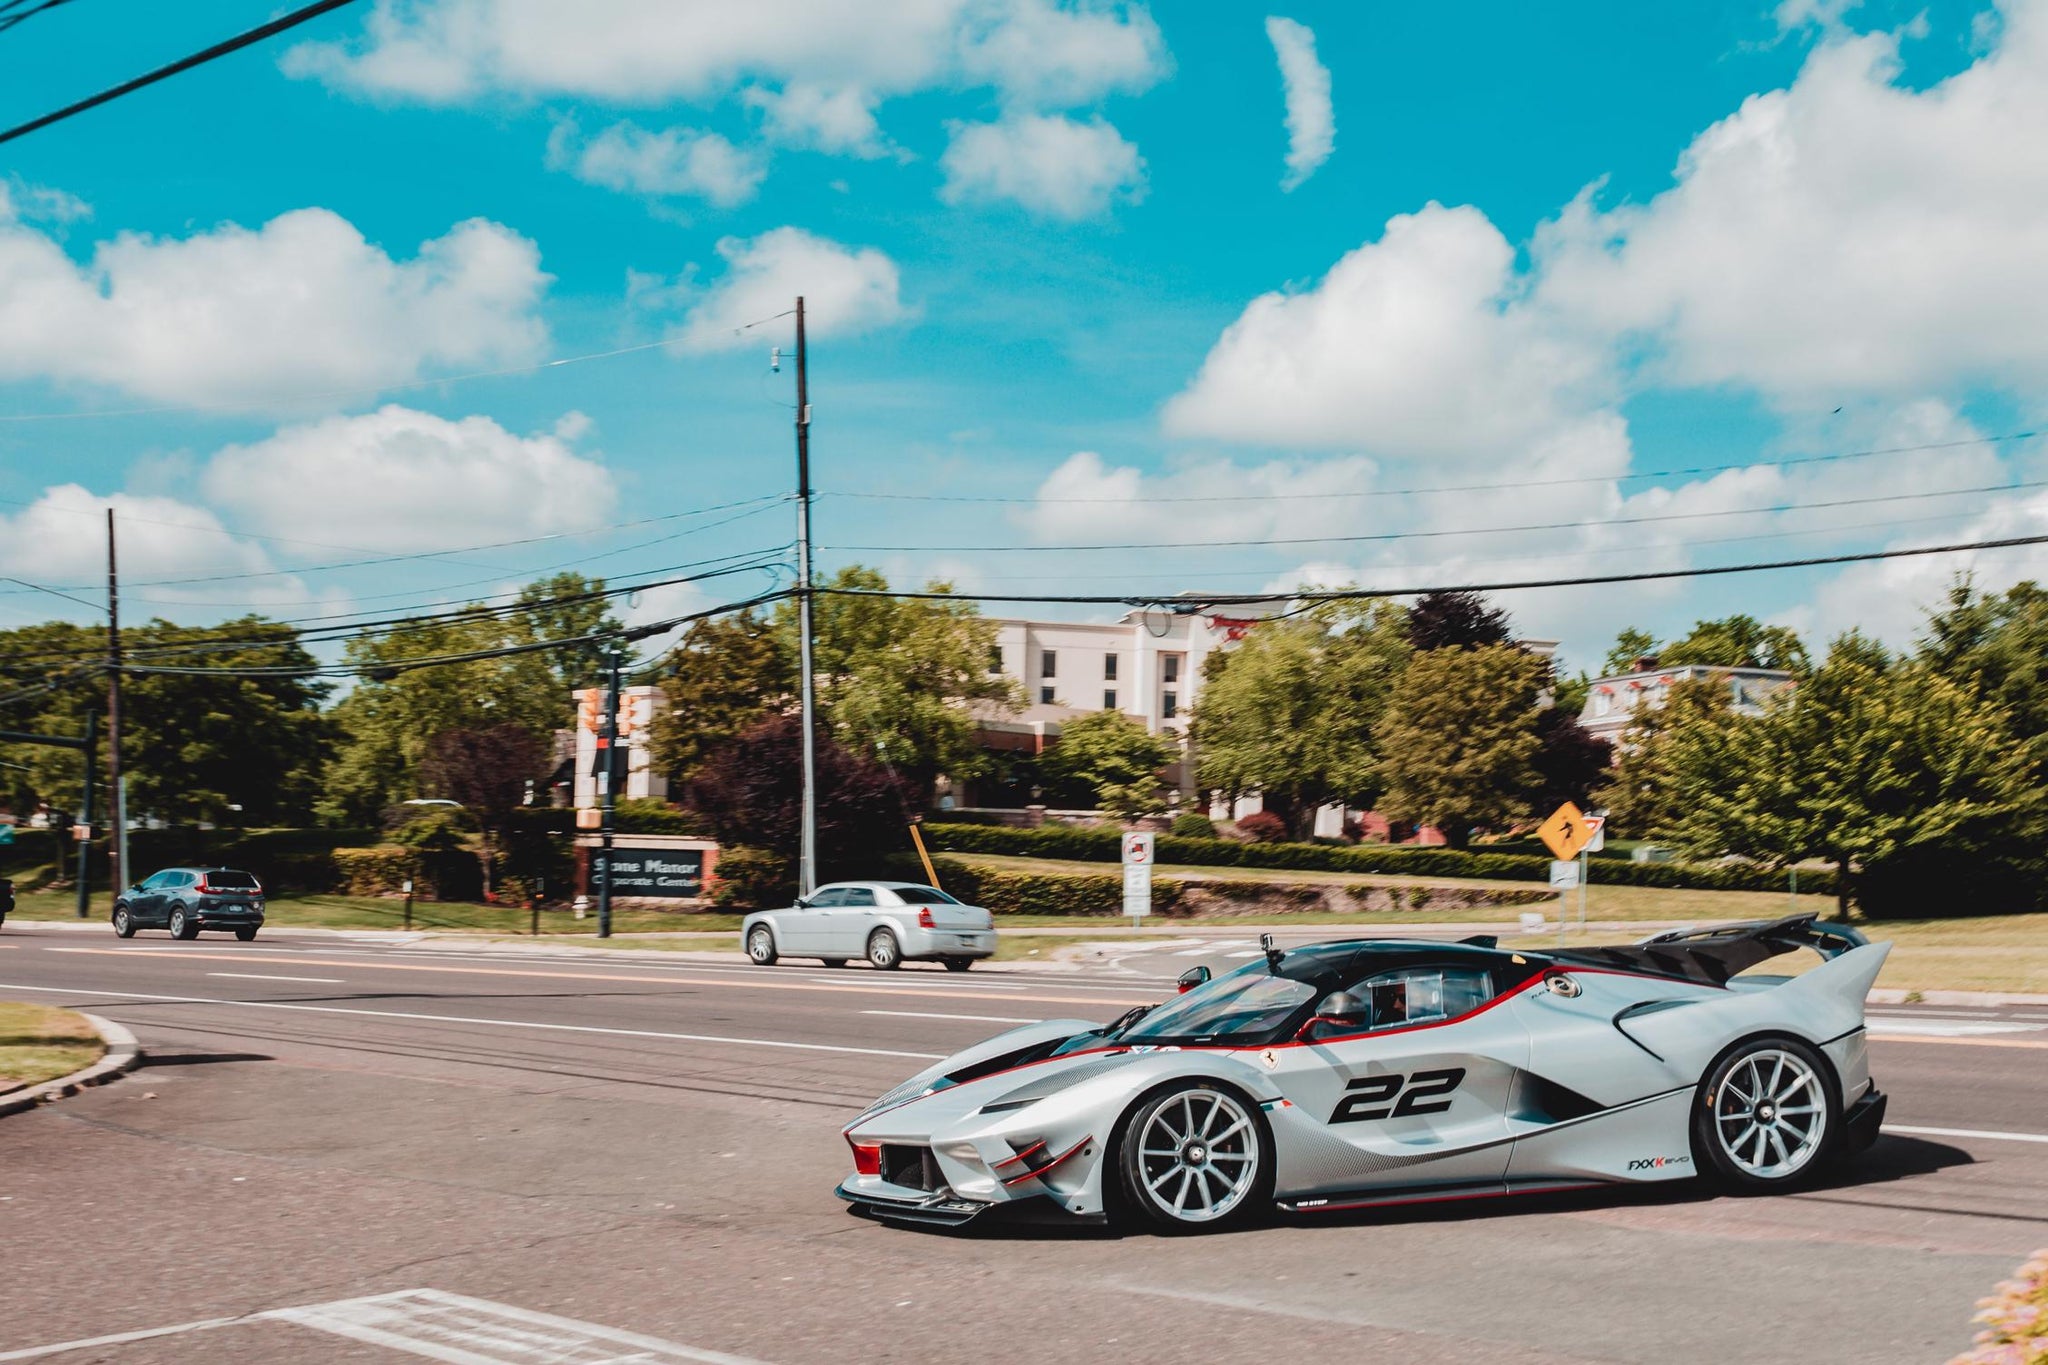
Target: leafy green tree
x: 1997, y: 646
x: 749, y: 789
x: 1456, y: 619
x: 1117, y: 758
x: 1639, y: 793
x: 567, y: 606
x: 1460, y: 740
x: 1630, y: 645
x: 490, y: 771
x: 900, y: 679
x: 1737, y: 642
x: 1289, y: 714
x: 723, y: 676
x: 1897, y: 776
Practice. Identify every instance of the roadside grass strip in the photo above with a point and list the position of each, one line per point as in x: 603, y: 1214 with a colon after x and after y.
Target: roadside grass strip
x: 41, y: 1042
x: 2015, y: 1318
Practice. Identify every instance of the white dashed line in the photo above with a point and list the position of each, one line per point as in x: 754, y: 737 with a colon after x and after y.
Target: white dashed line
x: 265, y: 976
x: 975, y: 1018
x: 1966, y: 1133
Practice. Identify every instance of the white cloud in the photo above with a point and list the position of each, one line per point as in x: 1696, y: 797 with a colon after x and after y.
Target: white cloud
x: 839, y: 120
x: 28, y: 203
x: 846, y: 290
x: 1311, y: 124
x: 673, y: 161
x: 398, y: 479
x: 1050, y: 164
x: 249, y: 318
x: 1846, y: 236
x: 1419, y: 344
x: 1034, y: 51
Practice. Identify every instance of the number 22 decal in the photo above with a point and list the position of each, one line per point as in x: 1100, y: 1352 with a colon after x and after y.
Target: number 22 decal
x: 1366, y: 1098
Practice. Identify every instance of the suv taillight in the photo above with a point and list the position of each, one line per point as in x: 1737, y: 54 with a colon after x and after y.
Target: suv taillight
x: 924, y: 918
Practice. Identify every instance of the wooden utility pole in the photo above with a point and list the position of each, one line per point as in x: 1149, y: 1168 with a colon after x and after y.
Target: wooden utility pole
x: 807, y: 861
x: 117, y: 843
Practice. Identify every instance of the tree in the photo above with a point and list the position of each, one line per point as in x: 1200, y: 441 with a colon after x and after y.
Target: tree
x: 750, y: 790
x: 1289, y: 714
x: 900, y: 679
x: 566, y: 607
x: 1570, y: 761
x: 1900, y: 778
x: 1629, y: 646
x: 489, y: 771
x: 721, y: 679
x: 1737, y: 642
x: 1997, y: 646
x: 1639, y: 793
x: 1460, y: 739
x: 1456, y: 620
x: 1117, y: 758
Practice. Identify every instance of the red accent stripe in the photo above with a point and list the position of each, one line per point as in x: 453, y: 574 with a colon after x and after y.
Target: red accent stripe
x: 1034, y: 1147
x: 1033, y: 1175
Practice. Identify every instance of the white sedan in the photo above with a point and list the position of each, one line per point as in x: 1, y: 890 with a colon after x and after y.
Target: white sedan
x: 887, y: 923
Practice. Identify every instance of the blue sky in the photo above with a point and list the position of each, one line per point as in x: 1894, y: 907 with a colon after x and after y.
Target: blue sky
x: 1055, y: 257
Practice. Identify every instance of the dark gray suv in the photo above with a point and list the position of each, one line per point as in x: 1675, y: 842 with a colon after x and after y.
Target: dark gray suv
x: 185, y: 900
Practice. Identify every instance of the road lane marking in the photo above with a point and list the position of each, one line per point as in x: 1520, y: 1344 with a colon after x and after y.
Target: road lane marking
x: 748, y: 983
x: 133, y: 997
x: 440, y: 1326
x: 266, y: 976
x: 1946, y: 1028
x: 1959, y: 1042
x: 1984, y: 1133
x: 976, y: 1018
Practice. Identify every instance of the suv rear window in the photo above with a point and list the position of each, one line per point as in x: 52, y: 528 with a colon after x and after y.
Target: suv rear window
x: 233, y: 881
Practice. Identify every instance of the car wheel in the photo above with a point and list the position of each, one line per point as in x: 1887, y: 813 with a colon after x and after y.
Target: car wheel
x: 834, y: 961
x: 124, y: 926
x: 959, y: 964
x: 761, y: 946
x: 1196, y: 1157
x: 247, y: 934
x: 1766, y: 1115
x: 181, y: 925
x: 884, y: 952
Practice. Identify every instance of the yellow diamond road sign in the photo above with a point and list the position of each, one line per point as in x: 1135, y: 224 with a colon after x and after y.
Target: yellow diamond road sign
x: 1566, y: 832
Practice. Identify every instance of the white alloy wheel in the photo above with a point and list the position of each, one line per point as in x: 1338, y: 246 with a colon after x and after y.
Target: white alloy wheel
x: 1193, y: 1156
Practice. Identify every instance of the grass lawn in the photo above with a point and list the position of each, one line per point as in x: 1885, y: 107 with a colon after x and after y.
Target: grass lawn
x: 40, y: 1043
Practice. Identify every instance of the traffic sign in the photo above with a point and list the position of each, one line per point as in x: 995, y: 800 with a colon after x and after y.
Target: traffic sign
x: 1564, y: 874
x: 1598, y: 841
x: 1137, y: 890
x: 1566, y: 833
x: 1138, y: 846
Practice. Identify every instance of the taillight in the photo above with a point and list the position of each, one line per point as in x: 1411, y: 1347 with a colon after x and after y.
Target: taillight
x: 924, y: 918
x: 205, y: 888
x: 867, y: 1160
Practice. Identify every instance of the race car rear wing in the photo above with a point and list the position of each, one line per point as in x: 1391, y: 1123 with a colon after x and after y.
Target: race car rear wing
x: 1712, y: 956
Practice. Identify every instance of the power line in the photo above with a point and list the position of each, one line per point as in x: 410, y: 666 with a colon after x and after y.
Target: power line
x: 1193, y: 603
x: 1450, y: 532
x: 1504, y: 485
x: 220, y: 49
x: 21, y: 11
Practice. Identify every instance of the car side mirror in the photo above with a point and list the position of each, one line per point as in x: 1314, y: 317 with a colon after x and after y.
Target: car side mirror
x: 801, y: 904
x: 1341, y: 1009
x: 1193, y: 977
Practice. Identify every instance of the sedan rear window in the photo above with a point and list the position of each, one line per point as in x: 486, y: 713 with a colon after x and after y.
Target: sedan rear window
x: 232, y: 881
x: 923, y: 895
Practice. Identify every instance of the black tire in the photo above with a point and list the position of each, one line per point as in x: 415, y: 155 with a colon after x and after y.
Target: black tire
x: 182, y: 926
x: 833, y: 961
x: 958, y: 964
x: 124, y: 923
x: 761, y: 946
x: 884, y: 952
x: 1754, y: 1116
x: 247, y: 934
x: 1148, y: 1183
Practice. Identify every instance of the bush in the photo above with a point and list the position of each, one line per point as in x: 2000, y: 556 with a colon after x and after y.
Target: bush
x: 382, y: 870
x: 1104, y: 846
x: 1262, y: 827
x: 1192, y: 825
x: 752, y: 879
x: 651, y: 815
x: 2015, y: 1319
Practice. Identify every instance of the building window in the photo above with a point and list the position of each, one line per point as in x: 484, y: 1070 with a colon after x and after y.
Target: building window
x: 1169, y: 705
x: 1172, y: 674
x: 1048, y: 664
x: 1109, y: 668
x: 1109, y: 699
x: 1045, y: 696
x: 995, y: 658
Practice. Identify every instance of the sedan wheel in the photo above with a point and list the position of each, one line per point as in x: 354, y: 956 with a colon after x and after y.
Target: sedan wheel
x: 883, y: 951
x: 761, y: 946
x: 181, y: 926
x: 124, y: 927
x: 959, y: 964
x: 1195, y: 1157
x: 1766, y: 1116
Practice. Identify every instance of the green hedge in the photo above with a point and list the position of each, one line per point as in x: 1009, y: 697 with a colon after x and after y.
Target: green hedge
x: 383, y: 869
x: 1103, y: 845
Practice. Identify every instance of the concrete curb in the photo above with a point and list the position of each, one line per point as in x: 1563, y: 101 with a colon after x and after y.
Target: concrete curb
x: 1888, y: 996
x: 124, y: 1054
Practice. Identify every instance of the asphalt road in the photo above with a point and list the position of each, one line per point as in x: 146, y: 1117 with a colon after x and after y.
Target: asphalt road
x: 346, y: 1150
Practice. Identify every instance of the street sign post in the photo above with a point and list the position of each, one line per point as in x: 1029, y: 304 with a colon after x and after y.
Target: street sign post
x: 1137, y: 849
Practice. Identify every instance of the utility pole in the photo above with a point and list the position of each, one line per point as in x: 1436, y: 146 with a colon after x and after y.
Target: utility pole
x: 607, y: 788
x: 807, y: 862
x: 83, y: 865
x: 117, y: 844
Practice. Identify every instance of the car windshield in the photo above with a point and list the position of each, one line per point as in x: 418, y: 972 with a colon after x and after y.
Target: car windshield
x: 923, y: 895
x: 1248, y: 1002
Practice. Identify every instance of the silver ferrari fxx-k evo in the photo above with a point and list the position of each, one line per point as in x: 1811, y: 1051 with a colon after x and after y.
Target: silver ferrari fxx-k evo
x: 1359, y: 1073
